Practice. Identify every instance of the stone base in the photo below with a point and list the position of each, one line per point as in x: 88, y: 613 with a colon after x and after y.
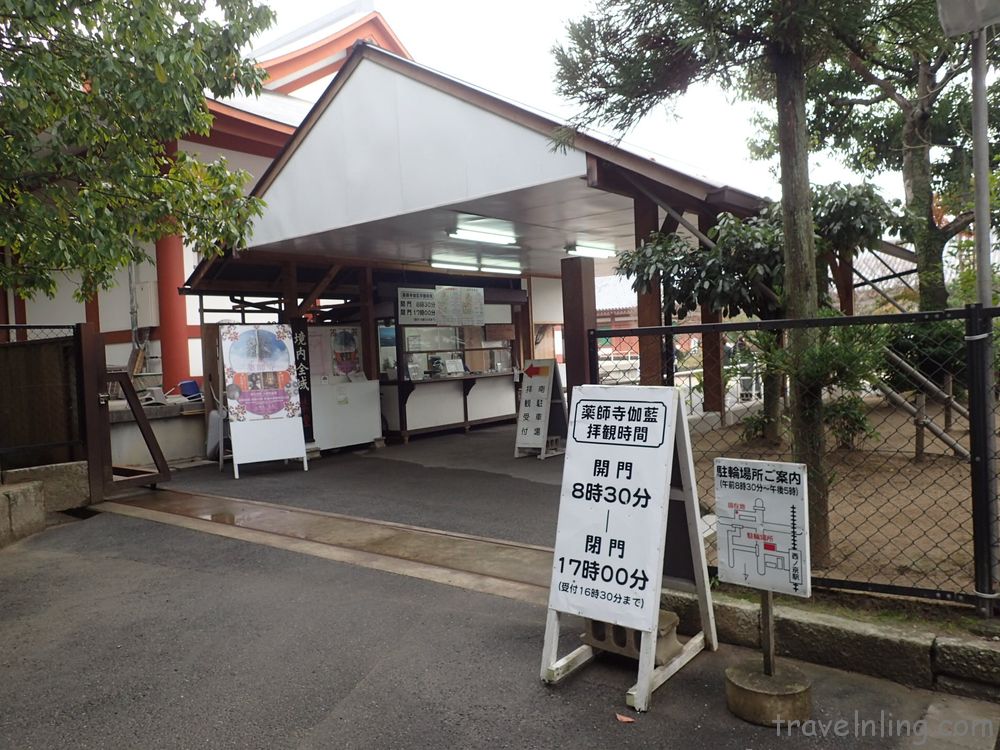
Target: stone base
x: 626, y: 641
x: 22, y: 511
x: 754, y: 697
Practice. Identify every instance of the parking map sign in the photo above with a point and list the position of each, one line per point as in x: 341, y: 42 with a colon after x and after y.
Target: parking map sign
x: 608, y: 561
x: 763, y: 532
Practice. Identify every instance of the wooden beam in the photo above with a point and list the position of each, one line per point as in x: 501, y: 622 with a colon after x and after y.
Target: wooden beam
x: 289, y: 292
x: 579, y: 316
x: 320, y: 287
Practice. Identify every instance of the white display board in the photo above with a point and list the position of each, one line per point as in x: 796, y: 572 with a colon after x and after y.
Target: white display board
x: 628, y: 460
x: 416, y: 307
x: 262, y: 393
x: 442, y: 306
x: 608, y: 559
x: 763, y: 525
x: 459, y: 306
x: 541, y: 409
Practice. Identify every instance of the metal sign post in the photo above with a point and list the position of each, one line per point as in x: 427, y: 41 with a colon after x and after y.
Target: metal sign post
x: 628, y: 461
x: 763, y: 542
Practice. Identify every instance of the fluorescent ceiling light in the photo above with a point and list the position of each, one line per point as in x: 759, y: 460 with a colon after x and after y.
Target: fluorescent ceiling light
x: 501, y: 269
x: 590, y: 251
x: 476, y: 235
x: 453, y: 266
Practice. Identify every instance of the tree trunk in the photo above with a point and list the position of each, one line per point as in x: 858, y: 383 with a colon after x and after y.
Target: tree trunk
x: 801, y: 299
x: 927, y: 239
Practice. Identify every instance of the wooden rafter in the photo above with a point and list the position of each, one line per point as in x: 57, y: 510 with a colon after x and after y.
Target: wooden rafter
x: 317, y: 290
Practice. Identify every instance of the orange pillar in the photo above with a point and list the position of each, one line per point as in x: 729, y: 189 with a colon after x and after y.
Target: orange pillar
x: 173, y: 312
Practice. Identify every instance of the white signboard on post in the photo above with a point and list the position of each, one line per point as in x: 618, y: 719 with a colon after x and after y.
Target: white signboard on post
x: 608, y: 560
x: 763, y: 525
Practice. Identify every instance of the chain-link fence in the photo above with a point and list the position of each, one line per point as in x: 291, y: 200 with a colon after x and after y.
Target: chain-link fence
x: 887, y: 408
x: 40, y: 419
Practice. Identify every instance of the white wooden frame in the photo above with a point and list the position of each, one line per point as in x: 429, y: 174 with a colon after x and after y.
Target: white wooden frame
x: 650, y: 677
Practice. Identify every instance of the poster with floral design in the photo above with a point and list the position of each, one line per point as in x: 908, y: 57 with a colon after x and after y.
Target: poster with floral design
x: 261, y: 380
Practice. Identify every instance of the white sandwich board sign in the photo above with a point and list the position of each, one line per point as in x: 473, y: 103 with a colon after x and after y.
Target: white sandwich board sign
x: 763, y: 525
x: 541, y: 411
x: 262, y: 394
x: 628, y: 460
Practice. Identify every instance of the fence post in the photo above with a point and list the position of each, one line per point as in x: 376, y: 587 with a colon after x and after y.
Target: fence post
x: 978, y: 335
x: 595, y: 366
x: 919, y: 419
x: 949, y: 390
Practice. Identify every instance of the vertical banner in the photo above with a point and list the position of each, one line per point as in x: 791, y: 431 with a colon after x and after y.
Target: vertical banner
x: 300, y: 345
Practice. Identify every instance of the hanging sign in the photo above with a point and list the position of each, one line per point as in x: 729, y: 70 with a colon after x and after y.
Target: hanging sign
x: 416, y: 307
x: 763, y: 525
x: 459, y: 306
x: 541, y: 411
x: 262, y: 393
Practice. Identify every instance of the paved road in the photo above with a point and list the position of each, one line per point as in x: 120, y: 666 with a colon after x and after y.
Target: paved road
x: 121, y: 633
x: 466, y: 483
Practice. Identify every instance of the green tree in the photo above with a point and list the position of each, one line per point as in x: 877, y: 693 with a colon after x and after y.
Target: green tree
x: 896, y: 98
x: 631, y: 55
x: 91, y: 94
x: 744, y: 272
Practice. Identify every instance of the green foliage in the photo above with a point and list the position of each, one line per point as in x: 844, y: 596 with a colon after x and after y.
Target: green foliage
x: 744, y: 272
x: 847, y: 418
x: 630, y: 56
x: 91, y: 93
x: 935, y: 349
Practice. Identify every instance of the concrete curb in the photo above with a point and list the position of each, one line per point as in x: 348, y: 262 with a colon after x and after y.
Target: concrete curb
x: 965, y: 666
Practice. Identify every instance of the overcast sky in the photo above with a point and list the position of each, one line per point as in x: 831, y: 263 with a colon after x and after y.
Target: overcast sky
x: 506, y: 47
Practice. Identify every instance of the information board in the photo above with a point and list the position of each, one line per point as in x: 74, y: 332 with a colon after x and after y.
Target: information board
x: 763, y: 525
x: 416, y: 307
x: 459, y: 306
x: 262, y: 393
x: 613, y: 505
x: 541, y: 409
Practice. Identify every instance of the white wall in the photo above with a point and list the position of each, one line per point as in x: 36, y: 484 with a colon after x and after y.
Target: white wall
x: 61, y: 309
x: 546, y: 300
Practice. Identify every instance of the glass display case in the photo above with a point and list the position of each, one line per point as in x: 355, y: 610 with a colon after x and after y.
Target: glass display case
x: 442, y: 377
x: 429, y: 352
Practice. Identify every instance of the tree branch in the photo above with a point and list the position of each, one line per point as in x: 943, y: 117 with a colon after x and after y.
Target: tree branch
x: 858, y: 66
x: 958, y: 225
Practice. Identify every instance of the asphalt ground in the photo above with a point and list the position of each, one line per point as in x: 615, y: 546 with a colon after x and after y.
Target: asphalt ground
x: 469, y: 484
x: 122, y: 633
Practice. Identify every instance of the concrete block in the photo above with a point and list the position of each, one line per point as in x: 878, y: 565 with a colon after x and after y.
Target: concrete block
x: 897, y: 654
x: 685, y: 606
x: 26, y: 506
x: 6, y: 534
x: 967, y: 688
x: 738, y: 622
x: 972, y: 659
x: 66, y: 485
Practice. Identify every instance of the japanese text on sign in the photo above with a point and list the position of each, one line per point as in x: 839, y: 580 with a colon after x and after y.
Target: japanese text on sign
x: 608, y: 557
x: 763, y: 525
x: 417, y: 307
x: 639, y: 424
